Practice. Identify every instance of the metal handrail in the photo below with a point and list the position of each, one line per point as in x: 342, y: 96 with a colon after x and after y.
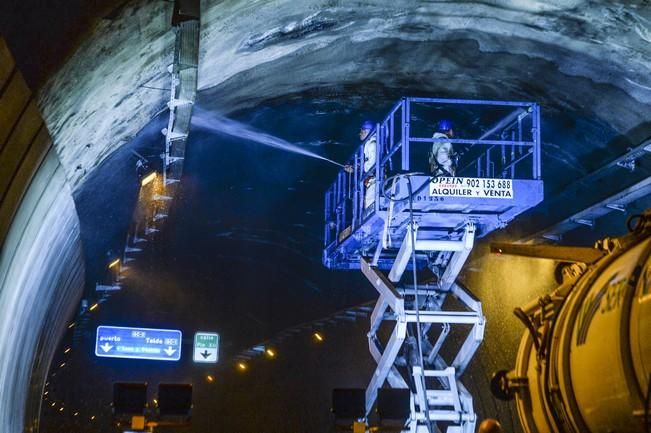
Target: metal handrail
x: 393, y: 134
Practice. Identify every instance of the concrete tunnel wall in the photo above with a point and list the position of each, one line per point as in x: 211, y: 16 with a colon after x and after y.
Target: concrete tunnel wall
x: 41, y: 261
x: 568, y: 55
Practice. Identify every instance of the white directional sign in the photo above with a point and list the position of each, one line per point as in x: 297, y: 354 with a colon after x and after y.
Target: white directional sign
x: 206, y: 347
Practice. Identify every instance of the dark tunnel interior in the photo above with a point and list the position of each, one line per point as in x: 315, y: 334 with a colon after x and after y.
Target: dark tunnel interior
x: 241, y: 250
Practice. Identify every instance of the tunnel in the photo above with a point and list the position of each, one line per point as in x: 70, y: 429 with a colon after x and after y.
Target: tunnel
x: 84, y: 92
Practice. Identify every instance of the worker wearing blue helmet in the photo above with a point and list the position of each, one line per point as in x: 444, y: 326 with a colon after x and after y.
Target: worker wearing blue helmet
x: 442, y: 158
x: 365, y: 129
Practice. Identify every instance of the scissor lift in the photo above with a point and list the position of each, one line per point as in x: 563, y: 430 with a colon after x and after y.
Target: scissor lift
x: 385, y: 215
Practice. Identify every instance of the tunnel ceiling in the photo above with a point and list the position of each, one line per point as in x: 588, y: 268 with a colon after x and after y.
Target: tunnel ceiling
x: 582, y: 59
x: 586, y: 62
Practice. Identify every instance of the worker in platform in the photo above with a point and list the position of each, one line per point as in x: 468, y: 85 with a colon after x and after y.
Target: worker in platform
x: 442, y: 158
x: 370, y: 147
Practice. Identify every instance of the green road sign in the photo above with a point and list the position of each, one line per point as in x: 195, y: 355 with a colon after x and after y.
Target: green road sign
x: 206, y: 347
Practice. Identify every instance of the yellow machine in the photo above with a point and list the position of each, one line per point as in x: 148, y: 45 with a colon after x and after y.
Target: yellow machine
x: 584, y: 365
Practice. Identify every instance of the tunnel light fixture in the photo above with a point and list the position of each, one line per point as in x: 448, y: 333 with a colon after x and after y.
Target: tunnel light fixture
x: 318, y: 337
x: 63, y: 364
x: 92, y: 418
x: 270, y: 352
x: 94, y: 306
x: 147, y: 179
x: 75, y: 414
x: 61, y: 409
x: 114, y: 263
x: 67, y: 350
x: 46, y: 392
x: 241, y: 366
x: 210, y: 378
x: 72, y: 325
x: 155, y: 402
x: 54, y: 403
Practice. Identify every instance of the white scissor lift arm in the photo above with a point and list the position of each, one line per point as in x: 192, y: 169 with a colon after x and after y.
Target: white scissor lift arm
x: 437, y: 394
x: 498, y: 177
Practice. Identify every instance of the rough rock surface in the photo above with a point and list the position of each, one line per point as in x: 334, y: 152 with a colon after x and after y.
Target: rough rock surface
x: 585, y: 58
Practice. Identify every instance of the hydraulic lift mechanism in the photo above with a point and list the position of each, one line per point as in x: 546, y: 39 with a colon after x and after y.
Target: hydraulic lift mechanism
x: 410, y: 233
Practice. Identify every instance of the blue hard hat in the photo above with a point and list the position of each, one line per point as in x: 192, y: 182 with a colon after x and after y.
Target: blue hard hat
x: 444, y: 125
x: 367, y: 124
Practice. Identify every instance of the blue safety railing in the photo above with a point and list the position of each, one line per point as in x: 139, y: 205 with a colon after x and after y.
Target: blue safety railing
x: 493, y: 139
